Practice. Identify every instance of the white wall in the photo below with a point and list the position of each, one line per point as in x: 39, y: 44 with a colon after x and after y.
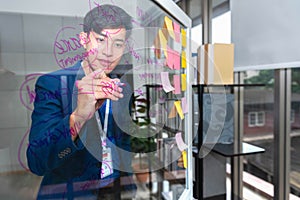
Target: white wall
x: 60, y: 7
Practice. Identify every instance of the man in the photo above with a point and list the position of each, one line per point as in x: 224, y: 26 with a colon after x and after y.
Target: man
x: 74, y: 141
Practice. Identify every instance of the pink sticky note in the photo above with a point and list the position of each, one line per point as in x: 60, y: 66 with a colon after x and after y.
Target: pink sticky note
x: 184, y: 105
x: 176, y: 60
x: 176, y: 80
x: 173, y: 59
x: 170, y: 59
x: 176, y: 31
x: 166, y: 82
x: 180, y: 143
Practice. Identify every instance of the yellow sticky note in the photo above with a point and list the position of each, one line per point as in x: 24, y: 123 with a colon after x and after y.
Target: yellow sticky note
x: 172, y: 113
x: 183, y: 59
x: 163, y: 42
x: 179, y: 109
x: 183, y: 82
x: 184, y: 158
x: 183, y: 37
x: 169, y: 25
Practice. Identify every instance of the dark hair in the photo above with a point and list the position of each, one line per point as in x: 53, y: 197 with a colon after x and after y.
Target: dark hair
x: 107, y: 17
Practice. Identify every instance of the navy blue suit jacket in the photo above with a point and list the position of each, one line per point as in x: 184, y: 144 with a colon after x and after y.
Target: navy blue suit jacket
x: 70, y: 168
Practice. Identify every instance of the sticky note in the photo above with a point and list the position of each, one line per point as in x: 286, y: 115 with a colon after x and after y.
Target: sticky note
x: 179, y: 141
x: 163, y: 42
x: 157, y: 46
x: 184, y: 157
x: 183, y: 82
x: 169, y: 25
x: 179, y: 109
x: 183, y: 37
x: 170, y: 58
x: 172, y: 113
x: 176, y: 31
x: 176, y: 60
x: 184, y: 105
x: 166, y: 82
x: 173, y: 59
x: 183, y: 59
x: 176, y: 81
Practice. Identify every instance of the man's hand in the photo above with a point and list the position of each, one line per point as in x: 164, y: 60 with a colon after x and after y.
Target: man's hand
x: 93, y: 89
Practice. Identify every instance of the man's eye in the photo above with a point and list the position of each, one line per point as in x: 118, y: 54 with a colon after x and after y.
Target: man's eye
x: 100, y: 39
x: 119, y: 45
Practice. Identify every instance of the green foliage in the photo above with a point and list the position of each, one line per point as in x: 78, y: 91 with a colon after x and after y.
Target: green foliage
x: 267, y: 77
x: 264, y: 77
x: 143, y: 139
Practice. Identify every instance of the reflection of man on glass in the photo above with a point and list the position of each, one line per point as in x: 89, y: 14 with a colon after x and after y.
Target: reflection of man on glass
x: 72, y: 137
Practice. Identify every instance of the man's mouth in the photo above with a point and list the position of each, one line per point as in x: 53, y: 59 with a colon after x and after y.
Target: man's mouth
x: 105, y: 62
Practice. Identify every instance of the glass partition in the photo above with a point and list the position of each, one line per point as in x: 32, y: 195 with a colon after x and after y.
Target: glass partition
x: 258, y: 130
x: 295, y: 136
x: 136, y: 145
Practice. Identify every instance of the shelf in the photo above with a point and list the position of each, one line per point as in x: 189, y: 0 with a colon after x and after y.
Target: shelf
x: 228, y: 85
x: 228, y: 150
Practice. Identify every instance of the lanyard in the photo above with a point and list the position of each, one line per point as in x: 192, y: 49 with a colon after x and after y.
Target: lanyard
x: 103, y: 136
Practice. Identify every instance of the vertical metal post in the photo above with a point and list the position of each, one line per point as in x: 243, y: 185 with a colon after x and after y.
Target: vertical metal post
x: 206, y: 21
x: 206, y: 38
x: 282, y: 127
x: 237, y: 162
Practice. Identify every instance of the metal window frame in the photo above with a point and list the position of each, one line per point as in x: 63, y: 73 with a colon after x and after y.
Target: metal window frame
x: 282, y: 127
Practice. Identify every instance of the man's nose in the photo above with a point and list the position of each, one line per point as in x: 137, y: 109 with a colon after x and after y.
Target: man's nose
x: 108, y: 50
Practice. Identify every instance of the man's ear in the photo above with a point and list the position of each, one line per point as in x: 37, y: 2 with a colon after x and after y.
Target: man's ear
x: 83, y: 39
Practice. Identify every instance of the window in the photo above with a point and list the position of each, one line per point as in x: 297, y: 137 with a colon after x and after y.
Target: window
x: 256, y: 119
x: 292, y: 115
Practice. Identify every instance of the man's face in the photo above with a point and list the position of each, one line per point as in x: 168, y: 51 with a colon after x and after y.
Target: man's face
x: 109, y: 46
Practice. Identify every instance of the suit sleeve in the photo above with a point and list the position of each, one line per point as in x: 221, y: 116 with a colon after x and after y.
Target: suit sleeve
x: 50, y: 143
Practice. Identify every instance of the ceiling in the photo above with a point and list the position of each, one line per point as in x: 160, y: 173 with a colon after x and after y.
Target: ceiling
x: 193, y: 8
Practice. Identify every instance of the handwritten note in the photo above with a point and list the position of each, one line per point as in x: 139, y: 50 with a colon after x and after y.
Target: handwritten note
x: 176, y: 80
x: 183, y: 59
x: 176, y: 31
x: 179, y: 109
x: 166, y: 82
x: 183, y: 37
x: 183, y: 82
x: 180, y: 143
x: 169, y: 26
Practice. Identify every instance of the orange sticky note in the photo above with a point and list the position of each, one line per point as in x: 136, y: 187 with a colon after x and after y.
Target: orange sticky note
x: 169, y: 25
x: 157, y: 46
x: 183, y: 82
x: 183, y: 37
x: 183, y: 59
x: 172, y: 113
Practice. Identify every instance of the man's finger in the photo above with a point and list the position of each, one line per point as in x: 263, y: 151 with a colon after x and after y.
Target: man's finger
x: 99, y: 73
